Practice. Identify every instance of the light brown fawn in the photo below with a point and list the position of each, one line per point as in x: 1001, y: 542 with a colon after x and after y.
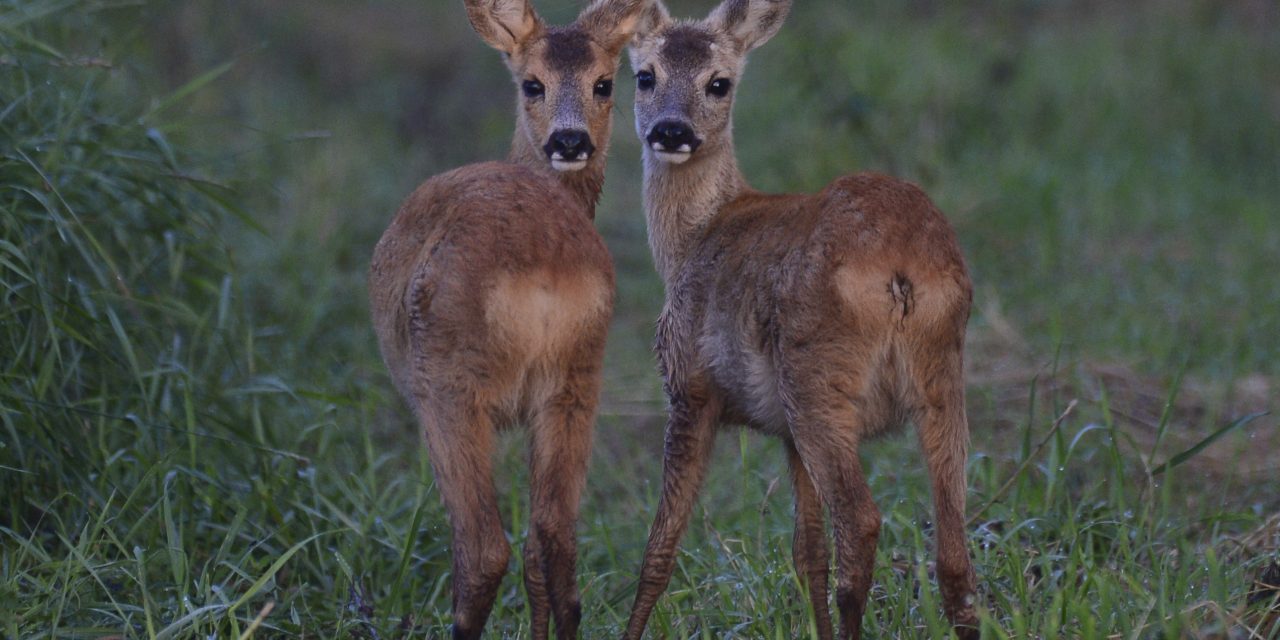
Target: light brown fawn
x: 491, y: 295
x: 822, y: 319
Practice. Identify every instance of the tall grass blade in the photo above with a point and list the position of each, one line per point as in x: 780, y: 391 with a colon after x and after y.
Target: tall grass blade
x: 1191, y: 452
x: 187, y: 89
x: 273, y: 569
x: 180, y: 625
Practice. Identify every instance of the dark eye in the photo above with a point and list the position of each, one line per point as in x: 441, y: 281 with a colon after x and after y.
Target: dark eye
x: 719, y: 87
x: 604, y: 88
x: 533, y: 89
x: 645, y: 80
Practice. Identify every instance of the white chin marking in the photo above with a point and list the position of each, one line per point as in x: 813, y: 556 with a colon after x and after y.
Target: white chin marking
x: 673, y: 157
x: 566, y: 165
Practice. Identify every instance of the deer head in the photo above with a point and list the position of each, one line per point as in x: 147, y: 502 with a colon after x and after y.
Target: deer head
x: 686, y: 73
x: 565, y: 74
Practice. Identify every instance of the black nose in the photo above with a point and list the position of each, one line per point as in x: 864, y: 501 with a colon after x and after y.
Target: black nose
x: 672, y: 136
x: 570, y: 145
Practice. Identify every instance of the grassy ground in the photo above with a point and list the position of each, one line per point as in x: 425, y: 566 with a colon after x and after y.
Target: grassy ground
x: 197, y: 437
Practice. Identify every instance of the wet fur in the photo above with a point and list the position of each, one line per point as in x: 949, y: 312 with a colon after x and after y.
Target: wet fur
x: 822, y: 319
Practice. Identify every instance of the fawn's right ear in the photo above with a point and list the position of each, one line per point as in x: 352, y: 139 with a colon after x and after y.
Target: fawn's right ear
x: 653, y: 17
x: 749, y: 22
x: 505, y: 24
x: 613, y: 23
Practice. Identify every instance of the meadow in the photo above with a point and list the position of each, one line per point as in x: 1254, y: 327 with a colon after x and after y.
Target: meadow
x: 198, y: 439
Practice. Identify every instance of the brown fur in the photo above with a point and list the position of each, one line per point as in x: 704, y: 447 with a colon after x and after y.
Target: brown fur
x: 823, y: 319
x: 491, y: 294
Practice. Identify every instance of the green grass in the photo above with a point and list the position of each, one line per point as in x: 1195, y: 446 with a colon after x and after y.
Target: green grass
x: 197, y: 438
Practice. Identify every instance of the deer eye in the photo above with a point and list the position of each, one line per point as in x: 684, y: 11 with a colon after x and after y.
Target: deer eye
x: 645, y: 80
x: 604, y: 88
x: 719, y: 87
x: 533, y: 89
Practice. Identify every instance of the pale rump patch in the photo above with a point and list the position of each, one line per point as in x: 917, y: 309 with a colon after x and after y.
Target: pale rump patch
x: 543, y: 312
x: 882, y: 294
x: 869, y: 292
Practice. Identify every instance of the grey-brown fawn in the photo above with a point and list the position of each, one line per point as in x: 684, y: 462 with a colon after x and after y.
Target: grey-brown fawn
x: 491, y: 295
x: 821, y: 319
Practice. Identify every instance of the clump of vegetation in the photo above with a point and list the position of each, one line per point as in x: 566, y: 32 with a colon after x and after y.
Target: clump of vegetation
x: 134, y: 408
x: 120, y: 328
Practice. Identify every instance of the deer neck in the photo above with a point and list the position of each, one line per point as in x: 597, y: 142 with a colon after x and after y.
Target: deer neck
x: 680, y: 200
x: 584, y: 184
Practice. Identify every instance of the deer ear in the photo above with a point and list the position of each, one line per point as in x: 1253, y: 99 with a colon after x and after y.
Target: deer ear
x: 749, y: 22
x: 505, y: 25
x: 612, y: 23
x: 653, y: 18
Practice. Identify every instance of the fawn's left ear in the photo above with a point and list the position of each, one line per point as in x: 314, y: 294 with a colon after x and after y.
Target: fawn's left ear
x: 749, y: 22
x: 611, y: 23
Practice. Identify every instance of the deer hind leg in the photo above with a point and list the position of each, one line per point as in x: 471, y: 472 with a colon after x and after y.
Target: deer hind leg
x: 826, y: 425
x: 560, y: 447
x: 460, y: 445
x: 944, y: 438
x: 809, y: 547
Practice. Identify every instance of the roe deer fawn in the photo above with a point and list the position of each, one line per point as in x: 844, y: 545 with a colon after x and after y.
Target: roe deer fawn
x: 821, y: 319
x: 491, y: 294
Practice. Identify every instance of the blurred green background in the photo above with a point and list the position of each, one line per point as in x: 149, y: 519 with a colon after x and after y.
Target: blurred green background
x: 197, y: 423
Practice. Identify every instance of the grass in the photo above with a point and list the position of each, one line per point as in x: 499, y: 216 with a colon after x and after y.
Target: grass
x: 197, y: 437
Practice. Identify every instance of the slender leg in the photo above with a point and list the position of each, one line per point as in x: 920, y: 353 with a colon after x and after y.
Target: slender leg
x: 689, y: 438
x: 460, y: 443
x: 944, y: 438
x: 535, y: 585
x: 825, y: 426
x: 560, y: 446
x: 856, y: 522
x: 809, y: 547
